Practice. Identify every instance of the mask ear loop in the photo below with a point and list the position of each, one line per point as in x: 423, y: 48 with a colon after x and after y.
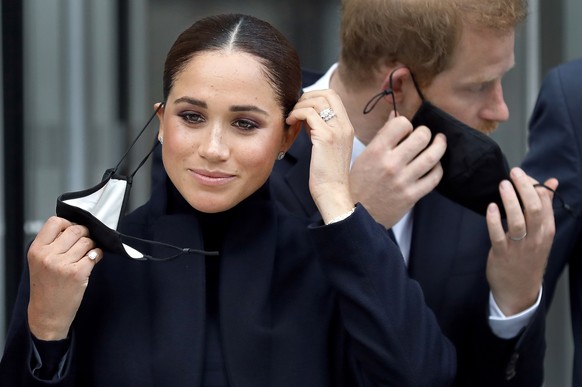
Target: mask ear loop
x: 375, y: 99
x: 135, y: 141
x: 417, y: 87
x: 180, y: 250
x: 568, y: 208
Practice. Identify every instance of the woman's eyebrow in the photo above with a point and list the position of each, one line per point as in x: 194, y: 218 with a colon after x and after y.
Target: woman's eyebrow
x: 192, y: 101
x: 248, y: 108
x: 234, y: 108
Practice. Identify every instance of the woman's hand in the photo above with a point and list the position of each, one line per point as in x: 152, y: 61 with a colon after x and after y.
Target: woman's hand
x: 60, y: 259
x: 332, y: 137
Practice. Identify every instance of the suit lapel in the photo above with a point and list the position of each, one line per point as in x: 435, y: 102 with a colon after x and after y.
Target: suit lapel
x: 435, y: 236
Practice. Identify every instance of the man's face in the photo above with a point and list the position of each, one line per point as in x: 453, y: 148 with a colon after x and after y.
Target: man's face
x: 470, y: 90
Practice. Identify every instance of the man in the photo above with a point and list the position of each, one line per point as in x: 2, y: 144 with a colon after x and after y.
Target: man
x: 484, y: 287
x: 555, y: 148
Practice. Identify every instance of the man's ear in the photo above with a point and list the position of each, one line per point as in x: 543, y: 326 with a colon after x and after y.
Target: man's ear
x: 399, y: 80
x: 404, y: 93
x: 290, y: 135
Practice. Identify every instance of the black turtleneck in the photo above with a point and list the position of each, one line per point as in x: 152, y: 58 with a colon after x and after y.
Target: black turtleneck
x: 214, y: 374
x: 214, y: 227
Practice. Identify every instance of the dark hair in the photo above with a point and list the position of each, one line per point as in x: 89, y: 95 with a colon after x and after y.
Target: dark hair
x: 245, y: 34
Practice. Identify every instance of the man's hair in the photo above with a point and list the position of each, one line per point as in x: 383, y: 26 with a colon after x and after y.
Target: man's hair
x: 421, y: 34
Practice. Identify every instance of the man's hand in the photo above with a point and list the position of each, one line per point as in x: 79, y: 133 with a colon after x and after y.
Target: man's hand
x: 397, y: 168
x: 518, y: 257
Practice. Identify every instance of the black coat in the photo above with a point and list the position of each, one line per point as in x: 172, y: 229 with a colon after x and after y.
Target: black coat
x: 298, y: 306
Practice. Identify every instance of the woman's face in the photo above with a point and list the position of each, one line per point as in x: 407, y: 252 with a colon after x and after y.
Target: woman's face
x: 222, y: 129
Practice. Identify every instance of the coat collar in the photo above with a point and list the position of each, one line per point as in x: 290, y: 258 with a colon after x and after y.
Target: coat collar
x: 178, y: 293
x: 297, y: 175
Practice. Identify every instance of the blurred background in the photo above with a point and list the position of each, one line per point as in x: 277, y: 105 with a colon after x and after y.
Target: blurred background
x: 80, y: 78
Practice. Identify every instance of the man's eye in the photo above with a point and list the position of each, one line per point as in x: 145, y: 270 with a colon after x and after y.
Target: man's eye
x: 478, y: 88
x: 481, y: 87
x: 245, y: 124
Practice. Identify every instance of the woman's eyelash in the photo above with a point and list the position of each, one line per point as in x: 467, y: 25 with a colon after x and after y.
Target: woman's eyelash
x: 245, y: 124
x: 196, y: 118
x: 191, y: 117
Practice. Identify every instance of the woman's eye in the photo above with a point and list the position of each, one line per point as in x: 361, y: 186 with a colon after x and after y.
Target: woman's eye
x: 191, y: 118
x: 245, y: 124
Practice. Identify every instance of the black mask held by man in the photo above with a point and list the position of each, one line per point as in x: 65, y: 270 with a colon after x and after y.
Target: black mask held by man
x: 473, y: 164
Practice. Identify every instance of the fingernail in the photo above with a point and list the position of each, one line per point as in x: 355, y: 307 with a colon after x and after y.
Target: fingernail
x: 491, y: 208
x: 517, y: 172
x: 505, y: 185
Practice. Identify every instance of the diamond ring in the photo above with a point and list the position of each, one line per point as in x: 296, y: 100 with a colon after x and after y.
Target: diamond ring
x: 327, y: 114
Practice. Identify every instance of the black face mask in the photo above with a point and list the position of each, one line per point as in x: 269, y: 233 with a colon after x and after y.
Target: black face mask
x: 473, y: 163
x: 101, y: 207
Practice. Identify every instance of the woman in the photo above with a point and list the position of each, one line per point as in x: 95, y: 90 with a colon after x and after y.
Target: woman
x: 284, y: 304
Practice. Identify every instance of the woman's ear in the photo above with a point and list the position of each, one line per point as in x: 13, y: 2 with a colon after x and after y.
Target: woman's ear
x: 159, y: 108
x: 290, y: 135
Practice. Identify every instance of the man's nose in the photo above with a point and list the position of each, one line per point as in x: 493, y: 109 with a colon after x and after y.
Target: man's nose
x: 496, y: 109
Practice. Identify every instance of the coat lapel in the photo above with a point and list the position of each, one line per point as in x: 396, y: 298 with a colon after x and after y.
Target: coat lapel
x: 297, y: 174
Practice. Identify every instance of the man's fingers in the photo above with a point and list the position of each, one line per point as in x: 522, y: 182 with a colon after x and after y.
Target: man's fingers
x: 429, y: 157
x: 494, y: 225
x: 394, y: 131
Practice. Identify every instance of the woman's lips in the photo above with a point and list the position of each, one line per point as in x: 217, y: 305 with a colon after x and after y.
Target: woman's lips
x: 211, y: 177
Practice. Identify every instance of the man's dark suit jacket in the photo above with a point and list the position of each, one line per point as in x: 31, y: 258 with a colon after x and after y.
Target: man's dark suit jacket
x: 294, y: 303
x: 555, y: 150
x: 448, y: 258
